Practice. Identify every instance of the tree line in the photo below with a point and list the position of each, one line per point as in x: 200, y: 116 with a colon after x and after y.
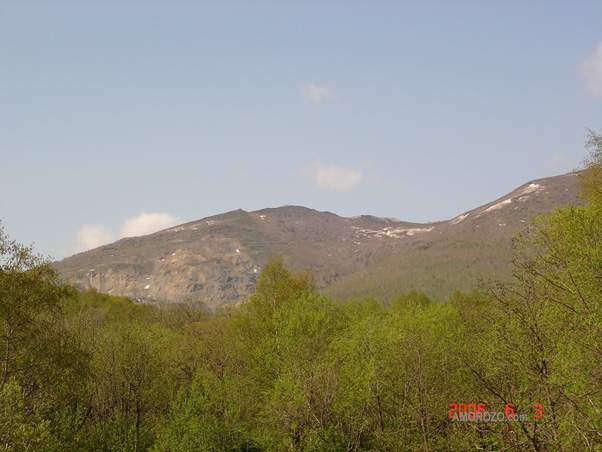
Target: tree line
x: 293, y: 370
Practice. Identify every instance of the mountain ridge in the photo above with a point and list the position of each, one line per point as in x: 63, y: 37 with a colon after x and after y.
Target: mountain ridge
x: 218, y: 258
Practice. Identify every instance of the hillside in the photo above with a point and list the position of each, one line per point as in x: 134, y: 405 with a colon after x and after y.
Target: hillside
x: 457, y: 253
x: 218, y: 258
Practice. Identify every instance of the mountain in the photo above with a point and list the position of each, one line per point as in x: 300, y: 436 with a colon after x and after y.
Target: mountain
x: 218, y: 258
x: 476, y: 245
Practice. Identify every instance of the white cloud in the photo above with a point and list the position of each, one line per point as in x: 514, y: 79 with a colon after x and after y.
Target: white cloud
x: 147, y: 223
x: 315, y: 94
x: 591, y: 71
x: 333, y: 177
x: 558, y: 162
x: 92, y: 236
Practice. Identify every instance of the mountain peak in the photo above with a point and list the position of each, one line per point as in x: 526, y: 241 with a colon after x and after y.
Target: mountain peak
x: 218, y: 258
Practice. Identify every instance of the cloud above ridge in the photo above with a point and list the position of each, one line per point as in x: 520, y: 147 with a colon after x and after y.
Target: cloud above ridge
x: 591, y: 70
x: 335, y: 178
x: 315, y: 94
x: 147, y: 223
x: 558, y: 162
x: 92, y: 236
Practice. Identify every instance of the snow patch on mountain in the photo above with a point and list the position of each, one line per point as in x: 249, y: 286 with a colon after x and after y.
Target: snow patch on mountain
x: 395, y: 233
x: 458, y: 219
x: 531, y: 188
x: 499, y: 205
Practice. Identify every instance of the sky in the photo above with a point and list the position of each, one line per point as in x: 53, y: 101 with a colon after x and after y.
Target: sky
x: 121, y: 118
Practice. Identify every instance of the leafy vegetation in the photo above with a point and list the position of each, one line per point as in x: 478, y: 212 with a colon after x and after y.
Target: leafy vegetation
x: 290, y: 369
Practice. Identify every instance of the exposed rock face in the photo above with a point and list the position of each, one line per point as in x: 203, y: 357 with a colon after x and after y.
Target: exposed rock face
x: 218, y: 259
x: 166, y: 266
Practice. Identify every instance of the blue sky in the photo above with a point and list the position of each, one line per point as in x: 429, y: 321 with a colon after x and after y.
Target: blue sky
x: 121, y: 118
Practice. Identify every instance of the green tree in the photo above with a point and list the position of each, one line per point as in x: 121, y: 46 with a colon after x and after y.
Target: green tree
x: 362, y: 351
x: 29, y: 292
x: 298, y: 408
x: 209, y: 407
x: 548, y: 326
x: 591, y: 177
x: 43, y: 367
x: 20, y: 428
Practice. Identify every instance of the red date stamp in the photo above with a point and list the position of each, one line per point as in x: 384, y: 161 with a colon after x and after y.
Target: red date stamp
x: 478, y: 412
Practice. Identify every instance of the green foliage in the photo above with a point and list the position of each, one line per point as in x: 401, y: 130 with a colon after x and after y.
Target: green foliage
x: 409, y: 301
x: 548, y: 327
x: 128, y: 375
x: 29, y: 296
x: 20, y: 430
x: 591, y: 178
x: 209, y: 406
